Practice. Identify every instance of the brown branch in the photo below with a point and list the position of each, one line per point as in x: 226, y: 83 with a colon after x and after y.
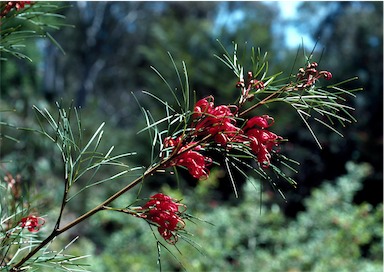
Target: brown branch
x: 262, y: 102
x: 78, y: 220
x: 57, y: 231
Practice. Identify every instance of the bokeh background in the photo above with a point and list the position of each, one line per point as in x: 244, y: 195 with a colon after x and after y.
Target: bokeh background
x: 331, y: 222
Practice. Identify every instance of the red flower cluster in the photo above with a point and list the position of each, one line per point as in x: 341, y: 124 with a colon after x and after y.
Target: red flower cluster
x: 188, y: 157
x: 261, y: 140
x: 216, y: 121
x: 32, y: 223
x: 164, y: 212
x: 13, y: 4
x: 220, y: 122
x: 308, y: 76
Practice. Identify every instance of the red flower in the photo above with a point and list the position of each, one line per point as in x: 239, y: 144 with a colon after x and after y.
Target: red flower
x: 164, y: 212
x: 14, y: 4
x: 327, y: 75
x: 203, y: 106
x: 260, y: 121
x: 216, y: 121
x: 220, y: 123
x: 308, y: 76
x: 32, y: 223
x: 262, y: 141
x: 195, y: 162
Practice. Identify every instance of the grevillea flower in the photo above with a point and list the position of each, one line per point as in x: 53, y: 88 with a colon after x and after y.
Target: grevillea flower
x: 261, y: 140
x: 164, y: 212
x: 259, y: 121
x: 188, y: 157
x: 220, y: 123
x: 217, y: 121
x: 32, y: 223
x: 203, y: 106
x: 13, y: 4
x: 308, y: 76
x: 251, y: 84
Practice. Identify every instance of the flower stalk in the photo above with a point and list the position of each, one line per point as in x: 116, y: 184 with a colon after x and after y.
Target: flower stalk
x: 102, y: 206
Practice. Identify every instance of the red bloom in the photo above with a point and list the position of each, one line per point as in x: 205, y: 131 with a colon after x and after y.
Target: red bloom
x: 261, y: 140
x: 327, y: 75
x: 164, y: 212
x: 203, y: 106
x: 14, y: 4
x: 216, y: 121
x: 260, y: 121
x: 227, y: 133
x: 195, y: 162
x: 32, y: 223
x: 308, y: 76
x: 220, y: 123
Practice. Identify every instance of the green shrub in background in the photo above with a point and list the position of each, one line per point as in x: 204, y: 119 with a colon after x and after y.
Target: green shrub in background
x: 332, y: 234
x: 240, y: 238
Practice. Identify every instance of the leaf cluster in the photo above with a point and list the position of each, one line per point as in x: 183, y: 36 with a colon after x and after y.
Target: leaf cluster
x: 333, y: 233
x: 33, y: 21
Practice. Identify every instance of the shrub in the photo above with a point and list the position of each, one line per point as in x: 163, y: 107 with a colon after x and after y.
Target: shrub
x: 332, y: 234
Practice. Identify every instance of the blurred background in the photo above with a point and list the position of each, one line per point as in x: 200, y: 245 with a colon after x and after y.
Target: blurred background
x: 325, y: 224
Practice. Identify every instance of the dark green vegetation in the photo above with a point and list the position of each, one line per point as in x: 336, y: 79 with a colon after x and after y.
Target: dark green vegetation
x: 109, y: 53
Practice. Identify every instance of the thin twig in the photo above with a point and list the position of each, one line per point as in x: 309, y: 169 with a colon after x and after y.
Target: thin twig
x: 262, y: 102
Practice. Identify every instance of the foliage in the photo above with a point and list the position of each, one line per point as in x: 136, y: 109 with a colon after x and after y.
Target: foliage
x: 192, y: 134
x: 21, y: 232
x: 332, y: 234
x: 181, y: 138
x: 27, y: 20
x: 122, y: 33
x: 351, y: 34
